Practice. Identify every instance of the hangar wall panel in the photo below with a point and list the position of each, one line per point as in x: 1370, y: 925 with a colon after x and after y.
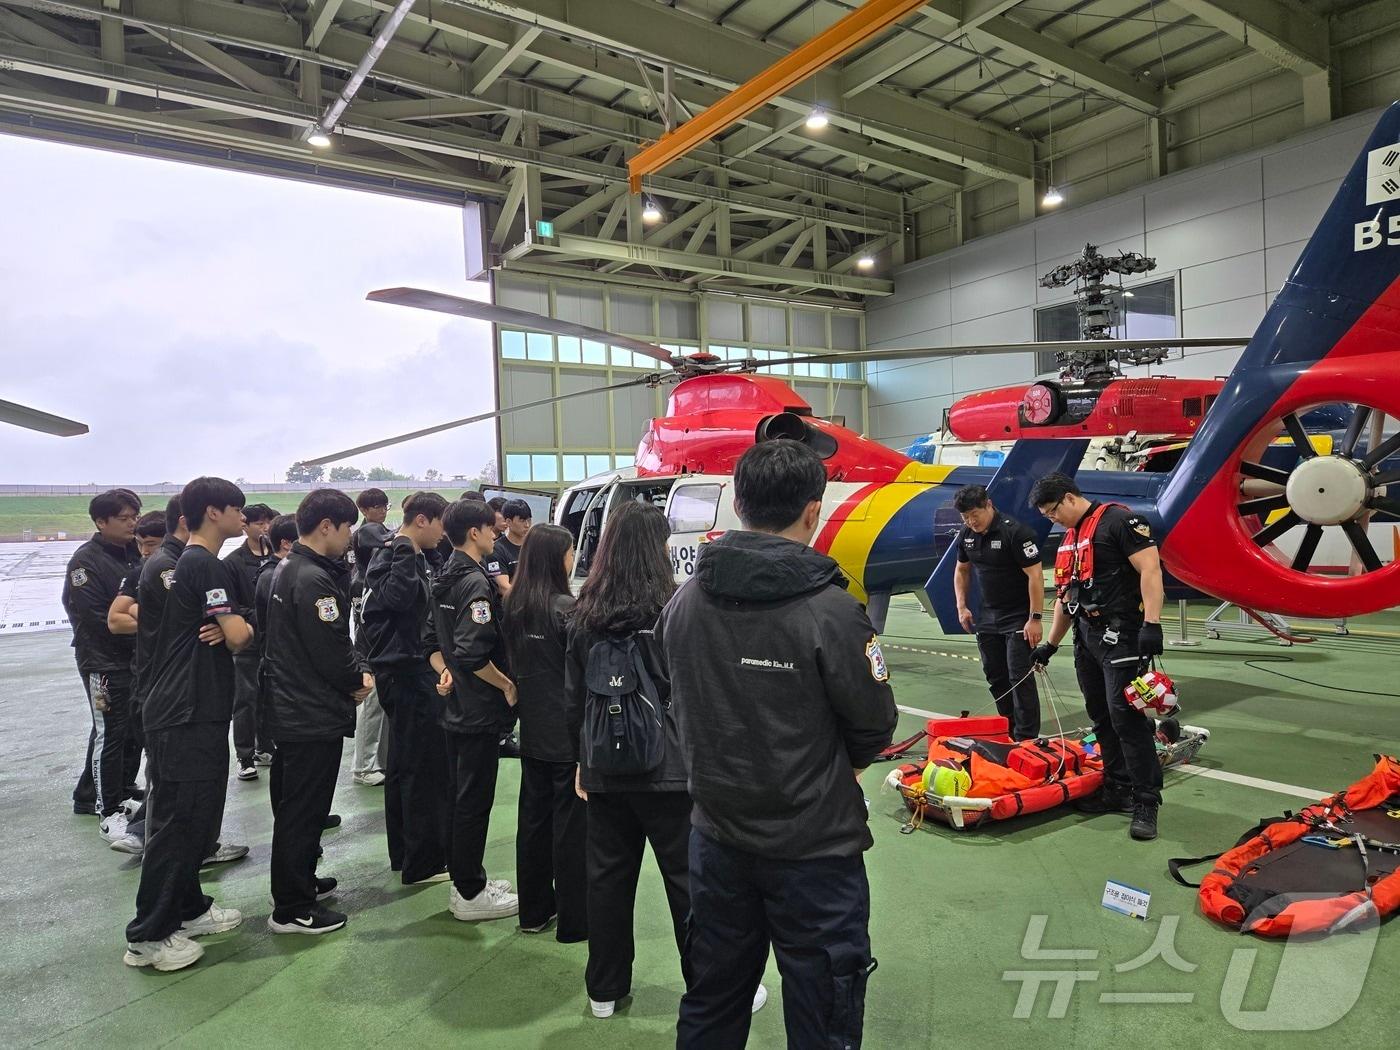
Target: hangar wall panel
x: 1228, y: 232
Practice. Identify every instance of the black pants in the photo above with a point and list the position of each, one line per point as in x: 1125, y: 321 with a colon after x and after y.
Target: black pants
x: 816, y: 914
x: 186, y: 804
x: 472, y: 762
x: 551, y: 874
x: 620, y: 824
x: 416, y: 807
x: 303, y: 784
x: 1006, y: 660
x: 111, y: 761
x: 1126, y: 737
x: 249, y: 731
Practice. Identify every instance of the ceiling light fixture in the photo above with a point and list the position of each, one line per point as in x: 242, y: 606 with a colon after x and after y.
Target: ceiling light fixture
x: 866, y: 261
x: 650, y: 211
x: 1053, y: 198
x: 817, y: 119
x: 315, y: 135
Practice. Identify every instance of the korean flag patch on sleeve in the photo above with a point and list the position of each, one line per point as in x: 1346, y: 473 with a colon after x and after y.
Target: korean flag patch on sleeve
x: 876, y: 656
x: 481, y: 611
x: 327, y: 609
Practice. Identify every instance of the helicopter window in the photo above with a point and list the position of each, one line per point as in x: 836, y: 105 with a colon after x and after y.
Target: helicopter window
x: 1191, y: 407
x: 694, y: 508
x: 1210, y: 400
x: 572, y: 518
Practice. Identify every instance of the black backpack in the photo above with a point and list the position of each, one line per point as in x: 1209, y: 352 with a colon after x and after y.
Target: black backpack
x: 623, y: 732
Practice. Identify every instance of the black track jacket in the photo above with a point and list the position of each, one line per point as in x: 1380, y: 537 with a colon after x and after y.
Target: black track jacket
x: 467, y: 615
x: 781, y: 691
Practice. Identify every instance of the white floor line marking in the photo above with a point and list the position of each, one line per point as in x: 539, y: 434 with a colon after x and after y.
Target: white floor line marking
x: 1198, y: 771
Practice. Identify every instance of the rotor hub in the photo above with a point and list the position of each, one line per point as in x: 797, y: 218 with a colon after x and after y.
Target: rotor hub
x: 1328, y: 490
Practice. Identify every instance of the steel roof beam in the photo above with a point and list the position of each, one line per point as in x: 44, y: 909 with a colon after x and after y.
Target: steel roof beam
x: 1289, y: 36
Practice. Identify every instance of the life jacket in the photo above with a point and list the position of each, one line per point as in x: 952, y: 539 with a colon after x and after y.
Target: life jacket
x: 1317, y: 871
x: 1074, y: 561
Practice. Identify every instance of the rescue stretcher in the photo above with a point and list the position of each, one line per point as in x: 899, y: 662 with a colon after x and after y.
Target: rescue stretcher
x: 1000, y: 778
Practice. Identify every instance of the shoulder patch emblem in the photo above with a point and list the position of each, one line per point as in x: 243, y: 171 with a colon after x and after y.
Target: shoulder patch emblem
x: 79, y: 576
x: 481, y: 611
x: 327, y: 609
x: 167, y: 577
x: 1140, y: 527
x: 1030, y: 549
x: 217, y: 596
x: 879, y: 670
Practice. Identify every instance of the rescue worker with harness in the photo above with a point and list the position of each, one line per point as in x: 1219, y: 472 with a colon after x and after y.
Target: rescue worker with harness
x: 1108, y: 582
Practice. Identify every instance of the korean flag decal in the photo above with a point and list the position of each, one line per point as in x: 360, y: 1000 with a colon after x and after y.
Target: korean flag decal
x: 873, y: 653
x: 481, y: 611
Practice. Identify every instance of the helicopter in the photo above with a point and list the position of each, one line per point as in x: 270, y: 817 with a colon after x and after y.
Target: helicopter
x: 1331, y: 337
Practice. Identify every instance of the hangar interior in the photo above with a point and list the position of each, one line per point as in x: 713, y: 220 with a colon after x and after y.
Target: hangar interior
x: 953, y: 161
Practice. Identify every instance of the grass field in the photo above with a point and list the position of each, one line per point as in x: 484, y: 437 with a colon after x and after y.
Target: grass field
x: 47, y: 515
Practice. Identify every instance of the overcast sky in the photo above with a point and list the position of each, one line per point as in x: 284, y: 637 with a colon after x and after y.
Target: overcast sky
x: 210, y: 322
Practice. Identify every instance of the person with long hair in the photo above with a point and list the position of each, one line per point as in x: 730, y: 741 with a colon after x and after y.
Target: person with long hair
x: 549, y: 862
x: 629, y: 584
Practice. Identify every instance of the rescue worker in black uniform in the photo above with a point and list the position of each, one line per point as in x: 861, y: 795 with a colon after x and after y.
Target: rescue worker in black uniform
x: 315, y: 678
x: 480, y: 706
x: 402, y: 649
x: 247, y: 561
x: 93, y: 578
x: 782, y: 694
x: 1006, y: 556
x: 1108, y: 581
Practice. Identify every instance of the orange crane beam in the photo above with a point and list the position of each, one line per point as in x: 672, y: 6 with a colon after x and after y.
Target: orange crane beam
x: 816, y: 54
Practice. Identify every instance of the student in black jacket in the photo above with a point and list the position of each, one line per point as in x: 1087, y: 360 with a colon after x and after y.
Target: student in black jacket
x: 550, y: 831
x: 314, y: 682
x: 371, y: 737
x: 281, y: 535
x: 628, y: 584
x: 783, y: 698
x: 247, y: 561
x: 94, y: 575
x: 480, y: 706
x: 400, y: 643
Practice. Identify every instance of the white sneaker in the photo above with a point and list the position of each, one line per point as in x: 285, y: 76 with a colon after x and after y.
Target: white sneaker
x: 262, y: 758
x: 602, y: 1011
x: 215, y: 920
x: 491, y: 903
x: 373, y: 779
x: 760, y: 999
x: 174, y: 953
x: 226, y: 853
x: 129, y: 843
x: 501, y: 884
x: 113, y: 828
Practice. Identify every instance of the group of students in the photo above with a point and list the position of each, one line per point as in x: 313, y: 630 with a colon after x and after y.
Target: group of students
x: 725, y: 723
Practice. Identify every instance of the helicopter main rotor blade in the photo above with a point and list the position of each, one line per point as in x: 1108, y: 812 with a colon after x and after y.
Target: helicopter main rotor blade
x: 44, y: 422
x: 422, y: 299
x: 400, y: 438
x: 1055, y: 346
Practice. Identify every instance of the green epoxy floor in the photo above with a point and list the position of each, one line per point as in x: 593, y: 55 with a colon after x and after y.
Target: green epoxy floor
x: 950, y: 910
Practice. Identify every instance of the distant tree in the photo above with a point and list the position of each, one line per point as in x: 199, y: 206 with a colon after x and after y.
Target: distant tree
x: 347, y: 474
x: 240, y: 482
x: 299, y: 471
x: 382, y: 473
x: 433, y: 476
x: 489, y: 474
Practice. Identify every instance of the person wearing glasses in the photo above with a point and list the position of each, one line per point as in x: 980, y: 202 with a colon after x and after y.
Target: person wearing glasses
x: 95, y: 574
x: 1006, y: 557
x: 1108, y: 583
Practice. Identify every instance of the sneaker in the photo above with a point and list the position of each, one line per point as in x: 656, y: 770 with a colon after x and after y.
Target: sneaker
x: 1106, y: 800
x: 113, y: 828
x: 602, y: 1011
x: 317, y: 920
x: 541, y: 927
x: 1144, y: 825
x: 84, y: 809
x: 262, y: 758
x: 332, y: 821
x: 373, y: 779
x: 129, y: 843
x: 325, y: 886
x: 247, y: 770
x: 224, y: 853
x: 760, y: 999
x: 130, y: 806
x: 215, y: 920
x: 502, y: 885
x: 174, y: 953
x: 491, y: 903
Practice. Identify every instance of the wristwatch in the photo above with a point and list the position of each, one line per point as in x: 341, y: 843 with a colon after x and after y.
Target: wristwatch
x: 1037, y: 616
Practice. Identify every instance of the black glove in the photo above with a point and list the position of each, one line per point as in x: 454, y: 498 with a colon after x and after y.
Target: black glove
x: 1150, y: 640
x: 1040, y: 655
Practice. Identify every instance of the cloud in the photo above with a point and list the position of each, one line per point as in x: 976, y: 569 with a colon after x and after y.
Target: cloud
x: 214, y: 322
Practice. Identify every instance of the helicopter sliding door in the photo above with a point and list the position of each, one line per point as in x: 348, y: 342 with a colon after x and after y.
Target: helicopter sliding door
x: 593, y: 516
